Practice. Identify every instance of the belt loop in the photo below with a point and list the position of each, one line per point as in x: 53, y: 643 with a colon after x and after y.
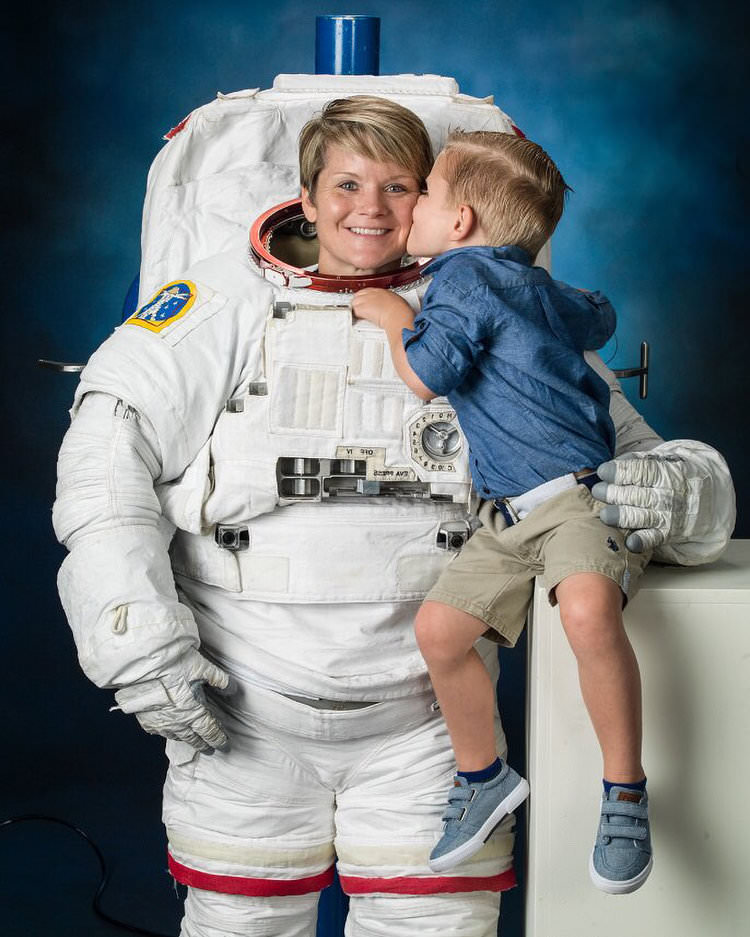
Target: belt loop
x: 506, y: 509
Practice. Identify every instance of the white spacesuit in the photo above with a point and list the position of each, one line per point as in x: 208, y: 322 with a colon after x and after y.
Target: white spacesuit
x: 243, y: 437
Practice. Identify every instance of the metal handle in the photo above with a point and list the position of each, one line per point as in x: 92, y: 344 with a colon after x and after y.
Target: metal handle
x: 641, y: 372
x: 67, y: 367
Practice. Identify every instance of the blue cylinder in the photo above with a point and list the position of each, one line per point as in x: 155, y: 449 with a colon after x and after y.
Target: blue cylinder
x: 347, y: 45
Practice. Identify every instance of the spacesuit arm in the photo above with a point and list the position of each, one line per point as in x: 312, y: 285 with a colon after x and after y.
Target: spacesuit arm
x: 145, y: 407
x: 675, y: 497
x: 116, y: 584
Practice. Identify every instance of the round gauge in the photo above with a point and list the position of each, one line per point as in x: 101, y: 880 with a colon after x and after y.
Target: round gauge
x: 441, y: 439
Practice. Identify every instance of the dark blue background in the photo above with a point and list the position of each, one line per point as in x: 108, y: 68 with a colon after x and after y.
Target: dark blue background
x: 643, y: 106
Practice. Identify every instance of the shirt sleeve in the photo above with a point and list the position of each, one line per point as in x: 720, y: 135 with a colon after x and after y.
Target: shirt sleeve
x: 447, y: 335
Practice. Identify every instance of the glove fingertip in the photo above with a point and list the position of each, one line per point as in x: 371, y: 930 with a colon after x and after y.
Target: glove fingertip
x: 610, y: 515
x: 599, y: 491
x: 216, y: 742
x: 645, y: 539
x: 231, y: 686
x: 607, y: 471
x: 634, y: 543
x: 219, y: 680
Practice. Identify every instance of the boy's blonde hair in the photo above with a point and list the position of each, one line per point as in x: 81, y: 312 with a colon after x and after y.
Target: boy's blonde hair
x: 370, y: 126
x: 512, y: 185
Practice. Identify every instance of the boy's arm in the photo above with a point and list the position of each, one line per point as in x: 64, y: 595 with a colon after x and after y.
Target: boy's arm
x: 393, y: 314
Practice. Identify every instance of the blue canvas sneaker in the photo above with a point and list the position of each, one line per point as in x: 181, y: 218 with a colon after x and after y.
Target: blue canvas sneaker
x: 473, y: 812
x: 621, y: 860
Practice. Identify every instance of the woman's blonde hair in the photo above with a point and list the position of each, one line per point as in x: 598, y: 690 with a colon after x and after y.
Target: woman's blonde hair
x: 513, y: 186
x: 373, y: 127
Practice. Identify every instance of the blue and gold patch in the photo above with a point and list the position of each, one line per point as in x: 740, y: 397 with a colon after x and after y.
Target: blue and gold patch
x: 170, y: 303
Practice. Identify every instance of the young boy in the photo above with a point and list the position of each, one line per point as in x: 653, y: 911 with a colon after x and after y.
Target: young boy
x: 504, y: 342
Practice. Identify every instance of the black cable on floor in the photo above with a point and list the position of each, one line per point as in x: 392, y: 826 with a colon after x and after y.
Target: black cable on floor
x: 95, y: 903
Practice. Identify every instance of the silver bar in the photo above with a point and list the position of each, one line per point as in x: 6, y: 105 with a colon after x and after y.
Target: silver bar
x: 67, y: 367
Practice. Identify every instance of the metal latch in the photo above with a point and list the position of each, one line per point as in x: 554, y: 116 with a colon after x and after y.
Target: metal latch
x: 452, y: 535
x: 232, y: 538
x: 61, y: 366
x: 254, y: 389
x: 281, y: 310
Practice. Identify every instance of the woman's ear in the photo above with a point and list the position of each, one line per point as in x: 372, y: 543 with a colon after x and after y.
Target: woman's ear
x: 308, y: 206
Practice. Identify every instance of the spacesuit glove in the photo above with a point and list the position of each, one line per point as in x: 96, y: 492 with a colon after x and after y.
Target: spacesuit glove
x: 677, y: 498
x: 174, y: 704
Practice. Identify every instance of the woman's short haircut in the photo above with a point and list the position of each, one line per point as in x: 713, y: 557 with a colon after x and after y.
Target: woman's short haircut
x: 513, y: 186
x: 373, y: 127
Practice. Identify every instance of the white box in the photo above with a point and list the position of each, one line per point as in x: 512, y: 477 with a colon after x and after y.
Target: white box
x: 690, y: 628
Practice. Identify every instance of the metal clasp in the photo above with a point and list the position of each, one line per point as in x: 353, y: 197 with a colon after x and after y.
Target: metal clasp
x: 232, y: 538
x: 254, y: 389
x: 281, y: 310
x: 452, y: 535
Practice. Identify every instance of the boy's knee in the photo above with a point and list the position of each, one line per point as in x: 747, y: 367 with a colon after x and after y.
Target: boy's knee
x: 445, y: 634
x: 426, y: 627
x: 590, y: 609
x: 436, y: 633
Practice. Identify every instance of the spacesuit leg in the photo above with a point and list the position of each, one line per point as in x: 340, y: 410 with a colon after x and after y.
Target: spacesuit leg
x: 211, y: 914
x: 388, y: 819
x: 252, y: 821
x: 469, y: 915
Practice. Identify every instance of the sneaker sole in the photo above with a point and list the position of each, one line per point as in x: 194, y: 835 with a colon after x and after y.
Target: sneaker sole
x: 614, y: 887
x: 516, y: 797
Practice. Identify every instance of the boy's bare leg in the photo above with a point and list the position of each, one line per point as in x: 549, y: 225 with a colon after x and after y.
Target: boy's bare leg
x: 446, y: 637
x: 591, y: 613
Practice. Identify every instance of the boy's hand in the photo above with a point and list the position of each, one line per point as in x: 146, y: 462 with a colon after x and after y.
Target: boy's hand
x: 377, y: 306
x: 392, y: 314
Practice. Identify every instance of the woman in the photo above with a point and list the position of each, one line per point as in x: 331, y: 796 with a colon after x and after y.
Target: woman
x: 256, y: 433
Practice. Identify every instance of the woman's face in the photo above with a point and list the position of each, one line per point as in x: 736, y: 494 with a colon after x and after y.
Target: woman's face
x: 362, y: 210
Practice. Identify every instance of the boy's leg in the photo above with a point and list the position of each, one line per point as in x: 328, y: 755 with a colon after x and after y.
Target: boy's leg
x: 446, y: 638
x: 485, y: 789
x: 591, y: 614
x: 590, y: 609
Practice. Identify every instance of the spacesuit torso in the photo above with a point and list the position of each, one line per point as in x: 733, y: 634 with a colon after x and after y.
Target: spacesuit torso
x: 318, y: 479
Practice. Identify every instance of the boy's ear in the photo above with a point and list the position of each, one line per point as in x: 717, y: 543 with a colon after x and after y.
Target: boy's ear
x: 464, y: 224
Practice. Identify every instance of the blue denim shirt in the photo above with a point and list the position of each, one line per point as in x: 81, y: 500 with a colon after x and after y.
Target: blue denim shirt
x: 504, y: 343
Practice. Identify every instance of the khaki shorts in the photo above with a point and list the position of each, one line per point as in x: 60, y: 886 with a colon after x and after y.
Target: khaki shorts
x: 492, y: 577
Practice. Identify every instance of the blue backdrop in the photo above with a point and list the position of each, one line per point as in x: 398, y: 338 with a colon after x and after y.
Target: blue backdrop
x: 642, y: 105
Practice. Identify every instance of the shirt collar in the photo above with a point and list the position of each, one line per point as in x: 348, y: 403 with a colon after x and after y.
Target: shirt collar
x: 511, y: 252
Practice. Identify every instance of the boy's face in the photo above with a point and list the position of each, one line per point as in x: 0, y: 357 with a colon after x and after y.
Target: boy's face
x: 434, y: 218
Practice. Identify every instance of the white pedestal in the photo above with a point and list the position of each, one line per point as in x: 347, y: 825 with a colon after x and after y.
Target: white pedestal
x: 691, y: 632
